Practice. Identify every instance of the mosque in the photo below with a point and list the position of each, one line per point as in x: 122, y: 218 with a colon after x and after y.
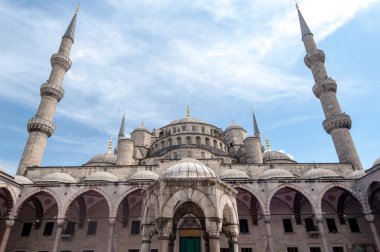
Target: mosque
x: 191, y: 186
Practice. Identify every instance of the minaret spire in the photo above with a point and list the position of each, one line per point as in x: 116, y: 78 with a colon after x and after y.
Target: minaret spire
x: 256, y: 130
x: 122, y: 127
x: 41, y: 126
x: 337, y: 123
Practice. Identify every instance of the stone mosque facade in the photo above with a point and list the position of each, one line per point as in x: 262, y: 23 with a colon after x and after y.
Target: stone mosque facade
x: 190, y: 186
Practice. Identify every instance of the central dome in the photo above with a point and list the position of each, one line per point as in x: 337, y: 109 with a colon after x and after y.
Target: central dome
x: 187, y: 120
x: 189, y: 168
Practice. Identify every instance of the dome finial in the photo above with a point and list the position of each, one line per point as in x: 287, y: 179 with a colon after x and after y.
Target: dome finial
x: 268, y: 144
x: 233, y: 122
x: 78, y: 8
x: 296, y: 4
x: 188, y: 112
x: 110, y: 145
x: 142, y: 124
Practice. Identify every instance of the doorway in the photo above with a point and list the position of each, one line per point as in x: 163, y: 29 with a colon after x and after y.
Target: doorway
x: 190, y: 244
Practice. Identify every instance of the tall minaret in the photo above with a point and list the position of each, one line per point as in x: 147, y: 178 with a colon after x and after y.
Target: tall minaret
x: 252, y: 145
x: 41, y: 126
x: 337, y: 123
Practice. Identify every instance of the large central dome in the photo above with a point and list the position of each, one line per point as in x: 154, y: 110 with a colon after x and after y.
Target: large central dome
x: 189, y: 168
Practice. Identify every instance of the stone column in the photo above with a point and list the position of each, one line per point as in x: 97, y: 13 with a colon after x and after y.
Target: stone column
x: 8, y: 229
x: 371, y: 219
x: 322, y: 233
x: 164, y: 243
x: 110, y: 233
x: 233, y: 244
x: 269, y: 232
x: 58, y: 233
x: 214, y: 243
x: 146, y: 238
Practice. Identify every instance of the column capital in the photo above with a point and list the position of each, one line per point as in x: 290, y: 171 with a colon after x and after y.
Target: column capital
x: 112, y: 221
x: 370, y: 217
x: 10, y: 222
x: 60, y: 222
x: 266, y: 218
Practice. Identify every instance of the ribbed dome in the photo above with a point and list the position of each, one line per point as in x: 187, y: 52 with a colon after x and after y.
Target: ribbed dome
x: 320, y: 173
x: 101, y: 176
x: 144, y: 175
x: 58, y: 177
x: 233, y: 174
x: 357, y: 174
x: 270, y: 156
x: 102, y: 159
x: 276, y: 173
x: 189, y: 168
x: 377, y: 162
x: 22, y: 180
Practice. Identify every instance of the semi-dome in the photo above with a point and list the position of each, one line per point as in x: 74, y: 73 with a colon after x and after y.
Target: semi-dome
x: 320, y: 173
x: 102, y: 159
x: 101, y: 176
x: 22, y: 180
x: 189, y: 168
x: 377, y: 162
x: 233, y: 174
x: 356, y: 174
x: 276, y: 174
x: 58, y: 177
x: 144, y: 175
x: 277, y: 156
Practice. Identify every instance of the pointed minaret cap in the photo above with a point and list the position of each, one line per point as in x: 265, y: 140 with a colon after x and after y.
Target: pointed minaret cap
x: 70, y: 32
x: 304, y: 27
x: 256, y: 130
x: 122, y: 127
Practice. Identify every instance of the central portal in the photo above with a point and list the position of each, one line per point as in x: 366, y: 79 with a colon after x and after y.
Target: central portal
x: 190, y: 244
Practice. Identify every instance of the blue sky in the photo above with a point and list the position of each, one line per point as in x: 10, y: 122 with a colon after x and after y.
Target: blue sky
x: 151, y: 58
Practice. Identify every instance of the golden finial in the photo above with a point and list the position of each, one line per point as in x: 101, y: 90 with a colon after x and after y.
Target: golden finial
x: 268, y: 144
x: 77, y: 10
x: 142, y: 124
x: 188, y: 112
x: 233, y: 122
x: 110, y: 145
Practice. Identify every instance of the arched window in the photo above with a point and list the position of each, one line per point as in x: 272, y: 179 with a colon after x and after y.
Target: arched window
x: 202, y: 155
x: 207, y: 140
x: 175, y: 155
x: 188, y: 140
x: 170, y: 142
x: 193, y: 128
x: 220, y: 146
x: 183, y: 128
x: 203, y: 130
x: 174, y: 130
x: 162, y: 144
x: 198, y: 140
x: 215, y: 144
x: 179, y: 140
x: 189, y: 154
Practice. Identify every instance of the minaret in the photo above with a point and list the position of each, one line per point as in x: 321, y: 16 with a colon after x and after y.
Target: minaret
x: 41, y: 126
x: 125, y: 146
x: 337, y: 123
x: 252, y: 145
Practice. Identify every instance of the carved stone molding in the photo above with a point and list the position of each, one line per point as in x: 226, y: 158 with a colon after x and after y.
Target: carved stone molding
x: 327, y: 85
x: 316, y: 57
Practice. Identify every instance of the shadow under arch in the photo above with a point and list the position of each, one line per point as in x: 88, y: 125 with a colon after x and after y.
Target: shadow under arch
x: 7, y: 197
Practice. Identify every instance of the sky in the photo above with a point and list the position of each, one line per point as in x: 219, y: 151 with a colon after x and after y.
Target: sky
x: 223, y: 58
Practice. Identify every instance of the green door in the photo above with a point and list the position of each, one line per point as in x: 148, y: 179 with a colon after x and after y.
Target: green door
x: 190, y: 244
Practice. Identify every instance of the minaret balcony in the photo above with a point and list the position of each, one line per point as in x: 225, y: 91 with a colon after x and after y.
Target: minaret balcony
x: 340, y: 121
x: 38, y: 124
x: 318, y: 56
x: 324, y: 86
x: 61, y: 60
x: 48, y: 89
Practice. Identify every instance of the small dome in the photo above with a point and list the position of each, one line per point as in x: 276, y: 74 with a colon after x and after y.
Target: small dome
x: 276, y: 174
x: 357, y: 174
x: 377, y: 162
x: 101, y: 176
x: 144, y: 175
x: 58, y: 177
x: 22, y: 180
x: 233, y: 174
x: 320, y: 173
x: 234, y: 126
x: 189, y: 168
x: 276, y: 156
x: 102, y: 159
